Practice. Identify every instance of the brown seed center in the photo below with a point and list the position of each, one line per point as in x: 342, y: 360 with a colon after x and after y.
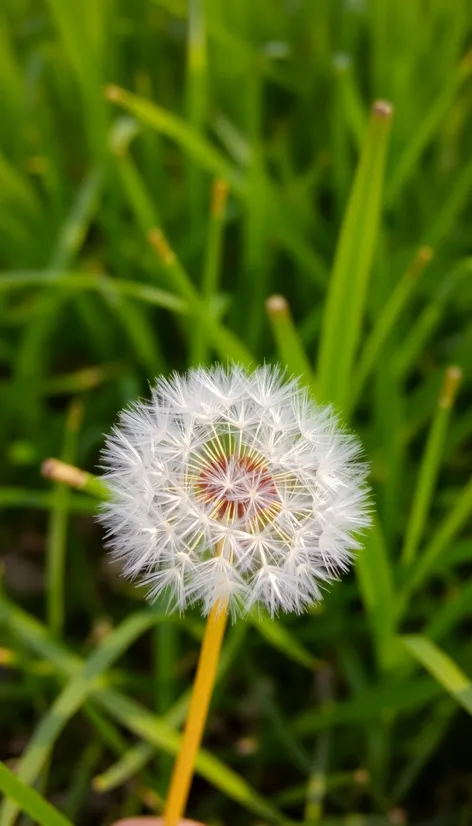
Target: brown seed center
x: 237, y: 487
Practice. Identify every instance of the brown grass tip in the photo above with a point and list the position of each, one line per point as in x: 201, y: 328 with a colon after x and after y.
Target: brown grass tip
x: 219, y: 197
x: 450, y: 386
x: 61, y: 472
x: 160, y: 245
x: 383, y: 109
x: 113, y: 93
x: 277, y: 305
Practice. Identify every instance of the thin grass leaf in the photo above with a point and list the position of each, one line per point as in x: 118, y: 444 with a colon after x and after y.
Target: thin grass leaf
x: 429, y: 467
x: 408, y: 351
x: 203, y: 153
x: 443, y: 537
x: 450, y: 209
x: 426, y: 130
x: 79, y: 381
x: 224, y: 341
x: 280, y: 637
x: 57, y: 534
x: 32, y: 357
x: 73, y: 696
x: 376, y: 584
x: 290, y: 348
x: 74, y: 477
x: 128, y: 713
x: 385, y: 323
x: 128, y: 766
x: 16, y: 189
x: 77, y: 281
x: 455, y: 608
x: 344, y: 310
x: 197, y: 82
x: 441, y: 667
x: 153, y: 730
x: 374, y: 704
x: 27, y: 498
x: 426, y: 744
x: 30, y: 801
x: 317, y: 783
x: 199, y: 349
x: 136, y: 758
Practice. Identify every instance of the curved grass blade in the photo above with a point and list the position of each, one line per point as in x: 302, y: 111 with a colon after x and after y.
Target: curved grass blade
x: 375, y: 578
x: 26, y: 498
x: 444, y: 535
x: 77, y: 281
x: 344, y: 310
x: 57, y: 533
x: 407, y: 355
x: 173, y: 127
x: 430, y: 465
x: 426, y: 130
x: 30, y: 801
x: 71, y: 699
x: 441, y: 667
x: 386, y: 321
x: 372, y: 704
x: 224, y: 341
x: 289, y: 345
x: 211, y: 270
x: 279, y: 636
x: 128, y: 713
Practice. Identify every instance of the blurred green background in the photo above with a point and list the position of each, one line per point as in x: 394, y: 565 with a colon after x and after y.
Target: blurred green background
x: 166, y: 166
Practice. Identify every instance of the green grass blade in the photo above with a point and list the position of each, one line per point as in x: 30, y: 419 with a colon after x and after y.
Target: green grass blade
x: 392, y: 311
x: 173, y: 127
x: 441, y: 667
x: 128, y: 766
x: 30, y: 801
x: 153, y: 730
x: 128, y: 713
x: 407, y: 356
x: 373, y: 704
x: 135, y: 758
x: 429, y: 467
x: 280, y: 637
x: 27, y: 498
x: 376, y: 584
x: 444, y: 535
x: 344, y: 310
x: 199, y: 349
x: 455, y: 608
x: 73, y: 696
x: 57, y: 539
x: 77, y: 281
x: 74, y: 477
x: 32, y: 355
x: 289, y: 346
x: 426, y: 744
x: 224, y: 341
x: 448, y: 212
x: 197, y: 82
x: 426, y: 131
x: 317, y: 782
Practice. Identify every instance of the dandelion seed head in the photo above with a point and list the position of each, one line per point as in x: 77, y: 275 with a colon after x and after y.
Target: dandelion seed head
x: 233, y: 486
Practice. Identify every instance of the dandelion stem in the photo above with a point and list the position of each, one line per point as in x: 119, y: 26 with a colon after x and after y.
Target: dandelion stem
x: 198, y: 711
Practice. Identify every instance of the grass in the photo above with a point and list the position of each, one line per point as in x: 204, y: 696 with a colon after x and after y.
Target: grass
x: 188, y: 181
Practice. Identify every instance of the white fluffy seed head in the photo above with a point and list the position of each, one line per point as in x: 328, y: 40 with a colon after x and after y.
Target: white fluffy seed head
x: 233, y: 487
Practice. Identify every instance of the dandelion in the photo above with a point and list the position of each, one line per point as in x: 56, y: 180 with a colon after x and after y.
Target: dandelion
x: 233, y: 488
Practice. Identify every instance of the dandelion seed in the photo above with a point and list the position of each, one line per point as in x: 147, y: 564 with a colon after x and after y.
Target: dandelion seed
x: 243, y: 462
